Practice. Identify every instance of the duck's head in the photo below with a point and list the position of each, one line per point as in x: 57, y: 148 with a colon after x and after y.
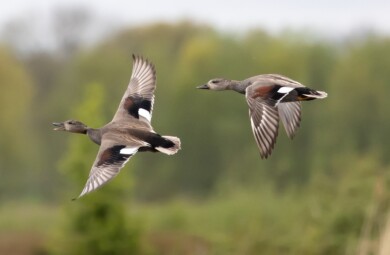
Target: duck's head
x: 216, y: 84
x: 73, y: 126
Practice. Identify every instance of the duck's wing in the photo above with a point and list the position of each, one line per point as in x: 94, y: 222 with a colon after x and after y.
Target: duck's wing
x: 290, y: 114
x: 274, y: 87
x: 137, y: 102
x: 112, y: 156
x: 264, y: 121
x: 276, y: 79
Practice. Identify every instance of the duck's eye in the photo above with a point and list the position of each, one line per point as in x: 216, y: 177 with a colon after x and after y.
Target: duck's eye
x: 71, y: 122
x: 214, y: 81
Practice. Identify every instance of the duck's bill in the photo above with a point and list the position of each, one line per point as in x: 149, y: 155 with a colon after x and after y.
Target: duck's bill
x: 58, y: 126
x: 205, y: 86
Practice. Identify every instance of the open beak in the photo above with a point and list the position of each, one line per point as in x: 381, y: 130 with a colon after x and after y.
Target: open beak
x: 58, y: 126
x: 205, y: 86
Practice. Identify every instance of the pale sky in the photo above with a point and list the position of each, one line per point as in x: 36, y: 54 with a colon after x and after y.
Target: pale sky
x: 330, y: 17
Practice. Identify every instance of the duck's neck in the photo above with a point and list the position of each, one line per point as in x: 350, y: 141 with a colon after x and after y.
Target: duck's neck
x: 236, y: 86
x: 95, y: 135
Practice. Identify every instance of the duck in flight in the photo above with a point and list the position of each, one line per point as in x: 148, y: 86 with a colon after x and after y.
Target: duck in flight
x: 270, y: 97
x: 130, y: 130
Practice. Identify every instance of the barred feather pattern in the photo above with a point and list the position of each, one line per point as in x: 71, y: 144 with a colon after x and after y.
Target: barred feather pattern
x: 290, y: 115
x: 265, y: 124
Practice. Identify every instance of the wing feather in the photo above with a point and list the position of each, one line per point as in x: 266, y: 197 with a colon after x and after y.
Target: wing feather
x: 290, y: 115
x: 139, y: 93
x: 107, y: 165
x: 265, y: 124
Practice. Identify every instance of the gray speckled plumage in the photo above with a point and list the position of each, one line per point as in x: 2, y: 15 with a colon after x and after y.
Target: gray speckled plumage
x: 130, y: 130
x: 270, y: 97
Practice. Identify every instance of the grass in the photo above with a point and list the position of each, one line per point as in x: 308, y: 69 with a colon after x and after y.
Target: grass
x: 241, y: 223
x: 25, y: 226
x: 27, y: 216
x: 237, y: 224
x: 261, y: 221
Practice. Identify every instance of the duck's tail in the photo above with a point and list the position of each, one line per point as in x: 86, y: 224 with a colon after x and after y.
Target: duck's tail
x: 305, y: 94
x: 171, y: 147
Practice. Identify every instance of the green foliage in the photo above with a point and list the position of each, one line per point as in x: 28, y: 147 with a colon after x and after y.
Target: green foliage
x: 324, y: 218
x: 15, y: 101
x: 96, y: 223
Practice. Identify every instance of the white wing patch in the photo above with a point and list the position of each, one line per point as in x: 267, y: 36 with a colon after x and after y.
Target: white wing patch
x: 128, y: 150
x: 285, y: 90
x: 144, y: 113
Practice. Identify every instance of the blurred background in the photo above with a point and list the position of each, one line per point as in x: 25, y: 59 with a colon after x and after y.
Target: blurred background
x: 325, y: 192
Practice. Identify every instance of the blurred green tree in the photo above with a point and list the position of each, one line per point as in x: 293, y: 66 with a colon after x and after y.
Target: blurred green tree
x: 16, y: 154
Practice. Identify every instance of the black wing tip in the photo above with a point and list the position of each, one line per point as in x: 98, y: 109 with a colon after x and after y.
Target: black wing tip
x: 266, y: 154
x: 137, y: 57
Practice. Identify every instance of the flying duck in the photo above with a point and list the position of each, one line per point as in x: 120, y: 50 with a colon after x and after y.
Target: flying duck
x: 270, y: 97
x: 130, y: 130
